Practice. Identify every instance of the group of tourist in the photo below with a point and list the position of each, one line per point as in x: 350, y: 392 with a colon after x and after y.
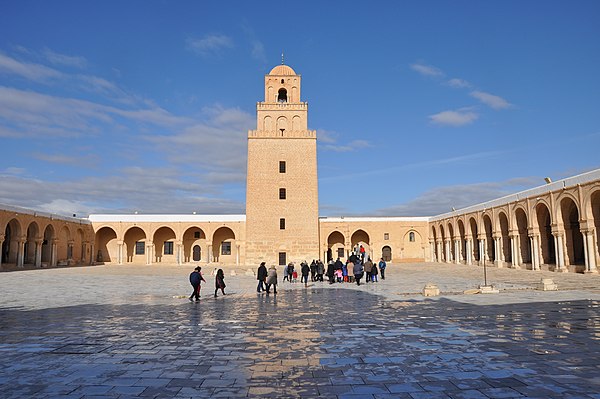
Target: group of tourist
x: 353, y: 270
x: 196, y: 279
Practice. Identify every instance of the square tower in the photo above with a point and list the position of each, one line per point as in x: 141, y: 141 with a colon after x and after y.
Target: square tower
x: 282, y: 204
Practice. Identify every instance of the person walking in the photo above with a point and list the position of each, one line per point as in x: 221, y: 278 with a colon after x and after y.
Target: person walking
x: 305, y: 271
x: 313, y: 270
x: 290, y: 271
x: 196, y: 279
x: 350, y: 269
x: 382, y: 266
x: 261, y: 276
x: 320, y: 270
x: 368, y: 268
x: 374, y: 273
x: 272, y: 280
x: 358, y: 272
x: 219, y: 282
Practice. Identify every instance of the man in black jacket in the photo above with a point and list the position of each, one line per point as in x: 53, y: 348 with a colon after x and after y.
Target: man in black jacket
x: 261, y: 276
x: 195, y: 279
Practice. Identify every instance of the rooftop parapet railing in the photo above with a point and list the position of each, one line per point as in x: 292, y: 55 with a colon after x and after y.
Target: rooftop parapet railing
x: 303, y: 106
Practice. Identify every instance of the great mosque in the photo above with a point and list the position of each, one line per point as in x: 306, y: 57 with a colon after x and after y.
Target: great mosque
x: 554, y: 226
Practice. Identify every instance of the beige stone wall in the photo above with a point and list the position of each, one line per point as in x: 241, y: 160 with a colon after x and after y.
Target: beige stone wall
x: 553, y: 226
x: 282, y: 135
x: 264, y: 209
x: 375, y: 234
x: 39, y: 239
x: 116, y: 241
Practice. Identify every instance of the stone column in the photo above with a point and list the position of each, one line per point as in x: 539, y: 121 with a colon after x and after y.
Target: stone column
x: 149, y: 252
x: 21, y: 252
x: 560, y: 251
x: 513, y: 250
x: 178, y: 249
x: 120, y: 252
x: 237, y: 254
x: 53, y: 253
x: 590, y: 251
x: 535, y: 253
x: 481, y: 246
x: 440, y: 251
x: 469, y: 251
x: 83, y: 248
x: 37, y: 262
x: 497, y: 251
x: 457, y: 257
x: 432, y: 250
x: 70, y: 251
x: 92, y: 253
x: 448, y: 252
x: 209, y: 255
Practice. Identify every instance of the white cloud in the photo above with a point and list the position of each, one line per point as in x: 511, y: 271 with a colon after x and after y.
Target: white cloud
x: 258, y: 50
x: 30, y: 114
x: 491, y: 100
x: 209, y: 44
x: 146, y: 190
x: 458, y: 83
x: 443, y: 199
x: 328, y: 140
x: 354, y: 145
x: 426, y: 70
x: 27, y: 70
x: 456, y: 118
x: 216, y: 144
x: 64, y: 60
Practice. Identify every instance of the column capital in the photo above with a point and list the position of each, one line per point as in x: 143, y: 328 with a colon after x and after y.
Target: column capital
x: 587, y: 230
x: 2, y: 237
x: 39, y: 241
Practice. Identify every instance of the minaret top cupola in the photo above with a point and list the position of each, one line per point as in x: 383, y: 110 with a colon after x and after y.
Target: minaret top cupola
x: 282, y: 85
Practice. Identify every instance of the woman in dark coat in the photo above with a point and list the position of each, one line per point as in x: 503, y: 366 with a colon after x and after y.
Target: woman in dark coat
x: 261, y: 277
x: 219, y: 282
x: 330, y: 271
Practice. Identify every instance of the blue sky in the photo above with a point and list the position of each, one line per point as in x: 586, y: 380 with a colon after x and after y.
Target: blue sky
x: 419, y: 106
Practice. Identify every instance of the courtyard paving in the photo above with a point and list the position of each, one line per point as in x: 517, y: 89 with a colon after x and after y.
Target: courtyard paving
x: 130, y: 332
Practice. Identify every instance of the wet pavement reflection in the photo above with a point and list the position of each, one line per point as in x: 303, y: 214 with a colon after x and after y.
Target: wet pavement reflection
x: 302, y: 343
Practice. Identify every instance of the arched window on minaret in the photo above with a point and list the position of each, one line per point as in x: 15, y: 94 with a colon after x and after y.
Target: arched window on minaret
x: 282, y: 97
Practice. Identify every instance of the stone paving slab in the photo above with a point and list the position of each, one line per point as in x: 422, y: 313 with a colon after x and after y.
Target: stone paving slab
x: 124, y: 332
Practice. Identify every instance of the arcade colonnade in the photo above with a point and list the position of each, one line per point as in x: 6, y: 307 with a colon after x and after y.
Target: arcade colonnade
x: 38, y: 239
x: 553, y: 226
x: 396, y: 239
x: 170, y: 239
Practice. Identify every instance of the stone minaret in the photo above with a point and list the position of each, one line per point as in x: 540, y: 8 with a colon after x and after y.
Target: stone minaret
x: 282, y: 206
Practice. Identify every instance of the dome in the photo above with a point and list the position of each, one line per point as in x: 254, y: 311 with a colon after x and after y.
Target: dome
x: 282, y: 70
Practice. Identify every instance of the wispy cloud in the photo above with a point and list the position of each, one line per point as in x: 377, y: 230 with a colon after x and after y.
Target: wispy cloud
x: 443, y: 199
x: 494, y: 102
x: 458, y: 83
x: 30, y: 114
x: 216, y: 144
x: 455, y: 118
x: 257, y: 48
x: 64, y: 60
x: 426, y: 70
x: 328, y: 140
x: 209, y: 45
x: 159, y: 190
x: 35, y: 72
